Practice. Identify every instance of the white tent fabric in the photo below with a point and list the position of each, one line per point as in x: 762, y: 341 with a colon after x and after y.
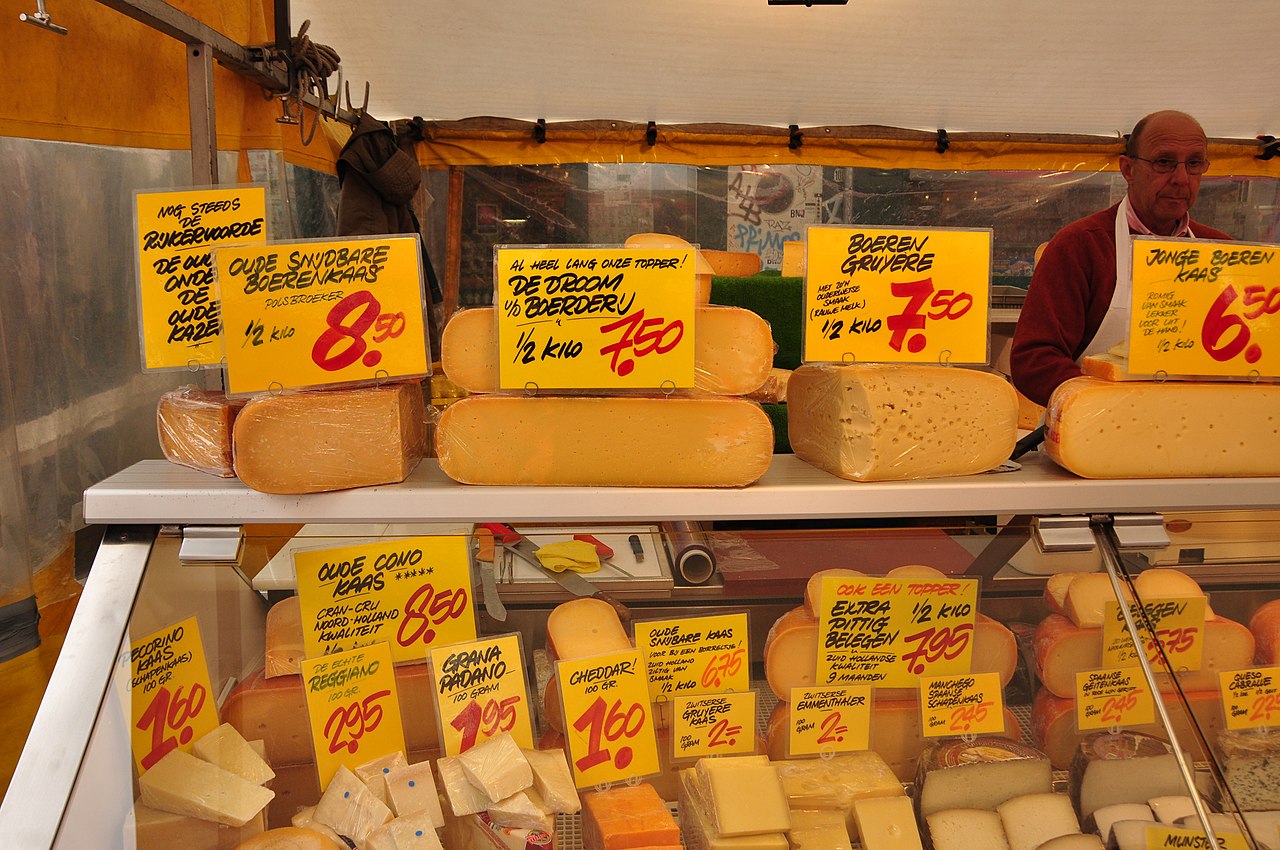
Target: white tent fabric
x: 1003, y: 66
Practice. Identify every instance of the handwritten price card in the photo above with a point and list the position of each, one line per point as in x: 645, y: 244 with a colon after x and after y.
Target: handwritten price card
x: 608, y: 720
x: 1205, y: 308
x: 480, y: 692
x: 962, y: 705
x: 897, y: 295
x: 695, y: 655
x: 888, y: 633
x: 1113, y: 698
x: 354, y: 709
x: 172, y: 700
x: 305, y: 314
x: 714, y: 725
x: 412, y: 592
x: 1160, y: 837
x: 1179, y: 629
x: 176, y: 231
x: 829, y: 720
x: 595, y: 318
x: 1251, y: 698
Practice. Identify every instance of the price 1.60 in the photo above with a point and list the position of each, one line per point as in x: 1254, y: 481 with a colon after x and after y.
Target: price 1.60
x: 169, y: 711
x: 606, y: 723
x: 495, y: 718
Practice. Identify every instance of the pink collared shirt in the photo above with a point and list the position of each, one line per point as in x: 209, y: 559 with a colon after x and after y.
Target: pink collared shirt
x: 1136, y: 225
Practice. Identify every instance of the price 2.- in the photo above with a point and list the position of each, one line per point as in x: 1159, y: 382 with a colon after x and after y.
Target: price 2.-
x: 348, y: 724
x: 723, y: 734
x: 640, y: 337
x: 493, y: 719
x: 170, y: 712
x: 343, y: 342
x: 943, y: 304
x: 428, y: 608
x: 606, y: 723
x: 1226, y: 335
x: 833, y: 729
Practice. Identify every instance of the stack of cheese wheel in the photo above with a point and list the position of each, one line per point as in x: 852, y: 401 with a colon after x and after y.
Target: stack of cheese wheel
x: 708, y: 438
x: 1069, y: 641
x: 791, y: 661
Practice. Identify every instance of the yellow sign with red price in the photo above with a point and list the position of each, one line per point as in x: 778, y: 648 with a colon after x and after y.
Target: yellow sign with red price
x: 1205, y: 308
x: 608, y: 720
x: 480, y: 693
x: 829, y: 719
x: 972, y: 704
x: 1179, y: 629
x: 1107, y: 699
x: 1251, y: 698
x: 413, y: 592
x: 309, y: 314
x: 888, y: 633
x: 595, y: 318
x: 714, y: 725
x: 171, y: 699
x: 695, y: 655
x: 897, y: 295
x: 353, y: 707
x: 176, y: 233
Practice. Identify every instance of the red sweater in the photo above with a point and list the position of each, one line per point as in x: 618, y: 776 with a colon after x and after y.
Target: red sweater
x: 1070, y: 292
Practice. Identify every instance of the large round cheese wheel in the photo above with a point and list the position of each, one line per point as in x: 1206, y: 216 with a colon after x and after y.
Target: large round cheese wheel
x: 290, y: 838
x: 1265, y: 626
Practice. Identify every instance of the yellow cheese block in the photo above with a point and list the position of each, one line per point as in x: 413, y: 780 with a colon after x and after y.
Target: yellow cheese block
x: 605, y: 442
x: 157, y: 830
x: 700, y: 833
x: 1138, y: 429
x: 310, y: 442
x: 793, y: 259
x: 886, y: 823
x: 284, y: 645
x: 733, y: 350
x: 194, y: 427
x: 702, y: 268
x: 185, y: 785
x: 732, y: 263
x: 888, y: 423
x: 288, y: 838
x: 226, y: 748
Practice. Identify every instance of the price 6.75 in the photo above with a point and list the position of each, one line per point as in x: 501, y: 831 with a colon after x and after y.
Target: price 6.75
x: 343, y: 342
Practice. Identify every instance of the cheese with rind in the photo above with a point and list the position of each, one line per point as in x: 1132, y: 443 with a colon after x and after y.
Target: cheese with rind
x: 194, y: 427
x: 1250, y: 760
x: 1264, y: 625
x: 1176, y: 429
x: 604, y: 442
x: 890, y: 423
x: 411, y: 790
x: 1122, y: 767
x: 284, y: 646
x: 1108, y: 816
x: 979, y: 774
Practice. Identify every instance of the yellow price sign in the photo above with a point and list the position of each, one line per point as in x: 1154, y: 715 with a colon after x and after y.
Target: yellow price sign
x: 888, y: 633
x: 412, y: 592
x: 971, y: 704
x: 1108, y: 699
x: 1251, y: 698
x: 595, y: 318
x: 608, y: 720
x: 176, y: 234
x: 1161, y: 837
x: 897, y: 294
x: 1205, y: 308
x: 714, y: 725
x: 353, y: 707
x: 1179, y: 629
x: 480, y: 693
x: 695, y: 655
x: 307, y: 314
x: 832, y: 719
x: 171, y: 698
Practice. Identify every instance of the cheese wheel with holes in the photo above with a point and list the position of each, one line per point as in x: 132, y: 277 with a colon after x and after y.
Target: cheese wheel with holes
x: 576, y: 629
x: 890, y: 423
x: 312, y: 442
x: 1178, y: 429
x: 604, y: 442
x: 194, y: 427
x: 732, y: 355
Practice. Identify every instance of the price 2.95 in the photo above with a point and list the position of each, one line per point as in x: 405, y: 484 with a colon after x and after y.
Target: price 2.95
x: 170, y: 712
x: 348, y: 724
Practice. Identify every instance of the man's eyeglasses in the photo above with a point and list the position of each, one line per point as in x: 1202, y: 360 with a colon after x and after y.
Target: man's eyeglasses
x: 1165, y: 165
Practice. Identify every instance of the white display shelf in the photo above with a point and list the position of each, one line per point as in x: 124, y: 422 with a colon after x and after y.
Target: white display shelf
x: 156, y: 491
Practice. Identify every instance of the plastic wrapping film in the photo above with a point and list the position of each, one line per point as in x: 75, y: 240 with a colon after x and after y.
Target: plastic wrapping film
x: 604, y: 442
x: 194, y: 427
x: 315, y: 441
x: 870, y: 422
x: 733, y: 351
x: 774, y: 388
x: 692, y: 557
x: 1176, y: 429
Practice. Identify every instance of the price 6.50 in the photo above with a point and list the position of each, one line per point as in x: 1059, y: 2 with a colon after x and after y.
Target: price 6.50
x: 1226, y: 335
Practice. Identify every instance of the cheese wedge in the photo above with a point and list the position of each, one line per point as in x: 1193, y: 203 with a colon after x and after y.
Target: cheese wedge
x: 411, y: 790
x: 702, y: 269
x: 412, y: 832
x: 464, y: 798
x: 1101, y: 429
x: 1108, y: 816
x: 497, y: 767
x: 966, y: 829
x: 1032, y: 819
x: 374, y: 774
x: 185, y: 785
x: 891, y: 423
x: 287, y: 838
x: 733, y: 350
x: 604, y: 442
x: 194, y: 427
x: 1125, y: 767
x: 311, y: 442
x: 813, y: 587
x: 226, y: 748
x: 981, y: 774
x: 349, y: 808
x: 157, y: 830
x: 553, y: 781
x: 284, y: 643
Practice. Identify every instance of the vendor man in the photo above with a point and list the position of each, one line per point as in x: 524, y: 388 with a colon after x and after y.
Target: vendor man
x: 1079, y: 298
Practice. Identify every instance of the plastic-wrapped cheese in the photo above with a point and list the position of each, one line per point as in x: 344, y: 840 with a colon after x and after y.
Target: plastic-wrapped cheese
x: 604, y: 442
x: 185, y: 785
x: 1251, y: 762
x: 553, y: 781
x: 1108, y: 816
x: 1122, y: 767
x: 1102, y: 429
x: 226, y: 748
x: 981, y: 774
x: 288, y: 838
x: 349, y: 808
x: 733, y: 350
x: 890, y: 423
x: 194, y: 427
x: 497, y: 767
x: 698, y: 830
x: 311, y: 442
x: 157, y: 830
